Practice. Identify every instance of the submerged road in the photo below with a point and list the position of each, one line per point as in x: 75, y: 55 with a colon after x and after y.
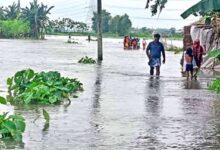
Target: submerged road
x: 122, y: 107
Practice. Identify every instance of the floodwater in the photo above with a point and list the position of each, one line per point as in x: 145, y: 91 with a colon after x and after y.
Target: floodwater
x: 122, y: 107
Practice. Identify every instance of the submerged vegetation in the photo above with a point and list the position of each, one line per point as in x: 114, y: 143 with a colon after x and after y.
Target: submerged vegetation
x: 29, y: 87
x: 11, y: 126
x: 86, y: 60
x: 72, y: 42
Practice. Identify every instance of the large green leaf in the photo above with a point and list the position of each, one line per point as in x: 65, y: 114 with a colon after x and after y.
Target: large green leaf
x: 3, y: 100
x: 9, y: 125
x: 20, y: 125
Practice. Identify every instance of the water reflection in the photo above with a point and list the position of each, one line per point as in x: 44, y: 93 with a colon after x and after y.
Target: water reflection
x: 210, y: 73
x: 149, y: 135
x: 192, y: 84
x: 95, y: 110
x: 152, y: 101
x: 97, y: 86
x: 9, y: 144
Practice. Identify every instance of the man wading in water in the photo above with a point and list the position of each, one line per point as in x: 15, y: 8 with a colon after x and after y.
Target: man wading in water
x: 154, y: 51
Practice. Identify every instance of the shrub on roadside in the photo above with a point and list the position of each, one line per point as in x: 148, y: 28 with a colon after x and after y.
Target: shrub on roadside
x: 215, y: 85
x: 13, y: 28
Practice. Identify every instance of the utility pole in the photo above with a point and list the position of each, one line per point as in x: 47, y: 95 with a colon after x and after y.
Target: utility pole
x: 99, y: 26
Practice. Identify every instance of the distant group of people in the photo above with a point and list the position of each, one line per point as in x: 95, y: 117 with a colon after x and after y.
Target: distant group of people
x: 193, y: 58
x: 131, y: 43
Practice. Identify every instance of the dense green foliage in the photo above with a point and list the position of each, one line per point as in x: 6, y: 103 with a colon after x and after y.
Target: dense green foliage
x: 118, y: 24
x: 11, y: 126
x: 3, y: 100
x: 28, y: 87
x: 2, y: 14
x: 215, y: 85
x: 106, y: 17
x: 66, y: 25
x: 87, y: 60
x: 36, y: 15
x: 215, y: 54
x: 14, y: 28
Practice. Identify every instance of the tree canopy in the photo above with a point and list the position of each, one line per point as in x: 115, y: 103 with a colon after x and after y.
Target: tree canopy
x: 36, y: 15
x: 118, y: 24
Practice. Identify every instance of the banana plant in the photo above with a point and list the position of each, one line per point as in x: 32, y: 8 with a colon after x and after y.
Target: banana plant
x: 37, y: 15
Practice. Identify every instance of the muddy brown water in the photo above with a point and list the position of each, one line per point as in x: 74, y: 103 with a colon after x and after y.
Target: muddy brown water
x: 122, y: 107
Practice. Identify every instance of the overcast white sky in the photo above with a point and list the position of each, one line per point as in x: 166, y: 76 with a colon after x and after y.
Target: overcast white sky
x: 80, y: 10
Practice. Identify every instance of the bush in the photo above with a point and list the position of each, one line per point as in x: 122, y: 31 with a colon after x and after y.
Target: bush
x: 215, y: 54
x: 13, y: 28
x: 215, y: 85
x: 28, y: 87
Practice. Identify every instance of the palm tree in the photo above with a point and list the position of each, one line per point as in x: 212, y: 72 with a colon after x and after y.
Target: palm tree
x: 12, y: 11
x: 37, y: 15
x: 2, y: 13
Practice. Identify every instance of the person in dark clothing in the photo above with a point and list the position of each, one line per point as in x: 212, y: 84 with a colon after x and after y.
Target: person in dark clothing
x: 89, y: 38
x: 154, y: 50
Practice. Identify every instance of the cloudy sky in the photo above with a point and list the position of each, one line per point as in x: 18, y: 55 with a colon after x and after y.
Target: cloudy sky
x: 81, y: 10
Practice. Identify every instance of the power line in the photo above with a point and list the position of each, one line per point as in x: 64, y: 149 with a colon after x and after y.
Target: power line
x: 70, y: 9
x: 158, y: 19
x: 139, y: 8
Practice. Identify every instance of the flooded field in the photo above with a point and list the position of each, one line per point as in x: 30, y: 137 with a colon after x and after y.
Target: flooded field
x: 122, y: 107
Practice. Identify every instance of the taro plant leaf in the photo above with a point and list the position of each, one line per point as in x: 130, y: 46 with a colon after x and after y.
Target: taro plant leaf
x: 3, y: 100
x: 20, y: 125
x: 46, y: 116
x: 11, y: 127
x: 19, y: 122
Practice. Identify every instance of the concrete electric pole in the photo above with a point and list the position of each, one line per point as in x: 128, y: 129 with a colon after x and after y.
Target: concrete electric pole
x: 99, y: 26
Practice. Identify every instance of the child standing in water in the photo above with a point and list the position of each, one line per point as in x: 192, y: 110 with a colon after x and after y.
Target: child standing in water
x: 189, y: 63
x: 144, y: 44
